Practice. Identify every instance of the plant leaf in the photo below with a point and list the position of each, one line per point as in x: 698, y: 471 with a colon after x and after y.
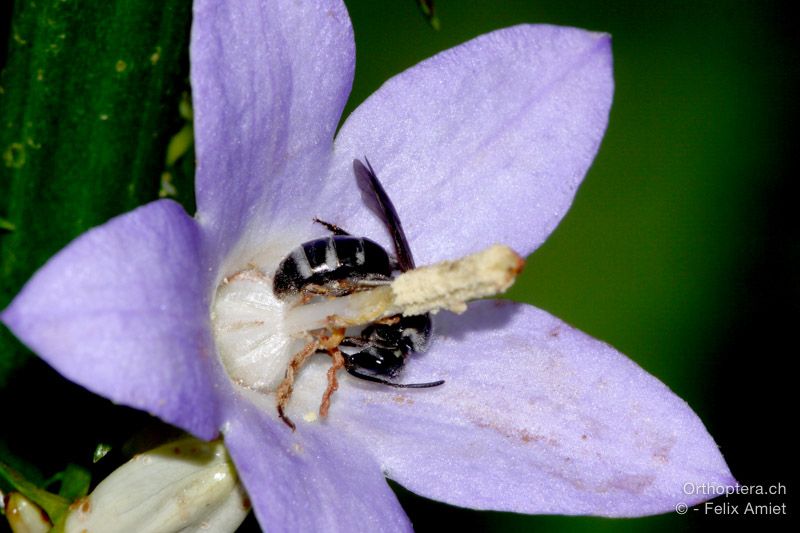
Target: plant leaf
x: 89, y: 99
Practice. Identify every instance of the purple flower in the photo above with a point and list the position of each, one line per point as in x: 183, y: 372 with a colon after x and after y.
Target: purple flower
x: 483, y: 143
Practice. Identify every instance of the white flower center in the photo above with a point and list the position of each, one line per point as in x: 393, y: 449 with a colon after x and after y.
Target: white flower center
x: 248, y: 321
x: 257, y: 336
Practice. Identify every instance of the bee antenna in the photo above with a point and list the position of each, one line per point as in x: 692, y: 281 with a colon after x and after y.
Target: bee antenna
x: 417, y: 385
x: 366, y: 377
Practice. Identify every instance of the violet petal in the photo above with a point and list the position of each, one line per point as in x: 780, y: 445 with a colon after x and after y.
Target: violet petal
x: 123, y: 311
x: 534, y: 417
x: 269, y: 81
x: 480, y: 144
x: 314, y: 479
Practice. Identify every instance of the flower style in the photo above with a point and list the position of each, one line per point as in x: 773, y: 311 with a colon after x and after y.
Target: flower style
x: 483, y: 143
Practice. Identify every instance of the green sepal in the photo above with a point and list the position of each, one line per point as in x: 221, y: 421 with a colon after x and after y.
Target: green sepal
x: 54, y: 505
x: 74, y: 480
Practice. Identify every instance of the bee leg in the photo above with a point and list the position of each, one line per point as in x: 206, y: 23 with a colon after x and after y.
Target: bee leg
x: 354, y: 342
x: 388, y: 321
x: 333, y: 228
x: 333, y: 382
x: 331, y: 345
x: 285, y: 388
x: 311, y: 291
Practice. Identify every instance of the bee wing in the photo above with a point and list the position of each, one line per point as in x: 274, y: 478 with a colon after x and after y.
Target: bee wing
x: 378, y: 202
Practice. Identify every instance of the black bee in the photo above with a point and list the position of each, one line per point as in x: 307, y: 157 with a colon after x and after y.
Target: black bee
x: 342, y: 264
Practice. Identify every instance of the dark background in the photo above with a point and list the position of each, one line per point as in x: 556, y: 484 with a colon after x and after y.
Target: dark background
x: 681, y: 249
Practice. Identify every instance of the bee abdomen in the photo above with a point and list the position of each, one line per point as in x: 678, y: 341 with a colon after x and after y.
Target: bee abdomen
x: 332, y: 263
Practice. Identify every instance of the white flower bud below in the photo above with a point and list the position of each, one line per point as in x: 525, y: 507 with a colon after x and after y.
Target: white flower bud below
x: 181, y: 486
x: 24, y: 516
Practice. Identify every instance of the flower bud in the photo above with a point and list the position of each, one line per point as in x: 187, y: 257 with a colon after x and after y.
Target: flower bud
x: 185, y: 484
x: 24, y: 516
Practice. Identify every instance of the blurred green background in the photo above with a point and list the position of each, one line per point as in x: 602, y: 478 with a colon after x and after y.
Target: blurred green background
x: 681, y: 249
